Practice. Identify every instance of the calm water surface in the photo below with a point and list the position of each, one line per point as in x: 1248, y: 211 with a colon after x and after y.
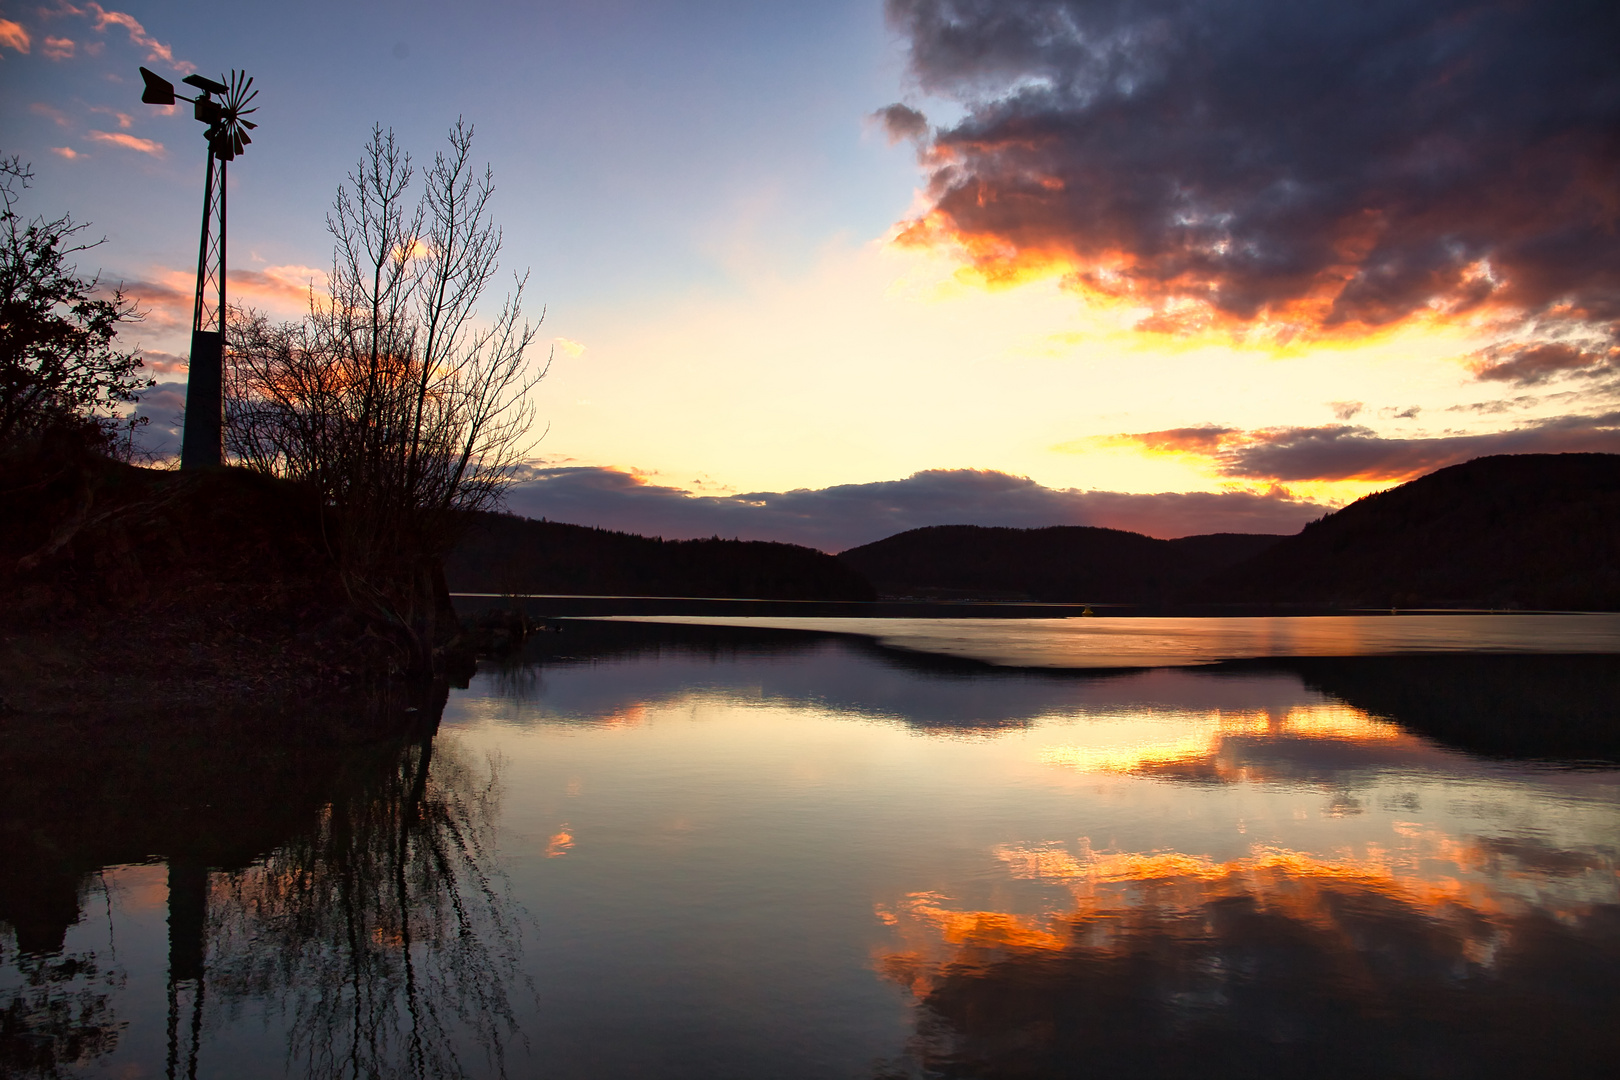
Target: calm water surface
x: 705, y: 852
x: 1130, y: 642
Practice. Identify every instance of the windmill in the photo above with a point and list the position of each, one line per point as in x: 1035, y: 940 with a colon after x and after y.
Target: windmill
x: 224, y: 108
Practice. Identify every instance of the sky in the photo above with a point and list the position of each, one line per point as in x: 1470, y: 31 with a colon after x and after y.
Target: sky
x: 821, y: 272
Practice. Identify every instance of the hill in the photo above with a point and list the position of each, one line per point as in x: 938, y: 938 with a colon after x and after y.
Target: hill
x: 1514, y: 531
x: 502, y: 553
x: 1062, y: 563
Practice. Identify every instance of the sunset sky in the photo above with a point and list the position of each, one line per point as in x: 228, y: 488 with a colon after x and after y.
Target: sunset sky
x: 821, y: 272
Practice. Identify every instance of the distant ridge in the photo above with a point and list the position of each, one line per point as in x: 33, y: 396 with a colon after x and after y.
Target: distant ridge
x: 1512, y: 531
x: 1519, y: 531
x: 1062, y: 563
x: 502, y: 553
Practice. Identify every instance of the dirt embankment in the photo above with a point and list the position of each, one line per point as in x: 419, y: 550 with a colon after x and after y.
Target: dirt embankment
x: 133, y: 588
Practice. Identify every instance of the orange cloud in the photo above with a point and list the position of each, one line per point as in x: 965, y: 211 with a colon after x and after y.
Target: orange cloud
x: 65, y: 152
x: 129, y: 142
x: 285, y: 288
x: 1196, y: 168
x: 58, y: 48
x: 168, y: 296
x: 13, y: 36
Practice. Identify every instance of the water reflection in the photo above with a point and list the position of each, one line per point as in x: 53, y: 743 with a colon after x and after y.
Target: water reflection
x: 58, y: 1014
x: 1564, y: 707
x: 371, y: 929
x: 380, y: 933
x: 768, y: 854
x: 1275, y: 964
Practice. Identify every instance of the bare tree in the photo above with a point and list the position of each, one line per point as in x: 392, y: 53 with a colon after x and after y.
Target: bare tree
x: 401, y: 406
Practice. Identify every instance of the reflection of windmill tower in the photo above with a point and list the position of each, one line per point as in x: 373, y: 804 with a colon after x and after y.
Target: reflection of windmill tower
x: 188, y: 937
x: 202, y: 444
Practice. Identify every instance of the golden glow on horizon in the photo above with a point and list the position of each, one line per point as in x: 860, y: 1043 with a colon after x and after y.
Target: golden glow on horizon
x: 878, y: 361
x: 1168, y: 315
x: 881, y: 360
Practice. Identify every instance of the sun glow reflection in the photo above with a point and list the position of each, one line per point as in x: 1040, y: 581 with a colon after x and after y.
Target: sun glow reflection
x: 1202, y: 738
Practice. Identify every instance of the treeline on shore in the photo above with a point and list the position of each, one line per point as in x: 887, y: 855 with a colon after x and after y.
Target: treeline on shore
x: 1529, y: 531
x: 1077, y: 564
x: 501, y: 553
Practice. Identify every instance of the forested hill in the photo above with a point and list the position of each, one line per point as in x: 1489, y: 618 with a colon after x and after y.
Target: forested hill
x: 1522, y: 530
x: 506, y: 554
x: 1074, y: 563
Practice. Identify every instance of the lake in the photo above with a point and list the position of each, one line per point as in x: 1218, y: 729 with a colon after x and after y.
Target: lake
x: 743, y: 850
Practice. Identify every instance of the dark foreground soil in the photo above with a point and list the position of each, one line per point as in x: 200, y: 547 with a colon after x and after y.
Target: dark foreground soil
x: 127, y: 587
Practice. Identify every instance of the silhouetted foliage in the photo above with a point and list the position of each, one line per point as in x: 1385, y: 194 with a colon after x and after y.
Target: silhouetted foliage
x: 1073, y: 563
x: 58, y: 367
x: 390, y: 399
x: 505, y: 554
x: 1513, y: 531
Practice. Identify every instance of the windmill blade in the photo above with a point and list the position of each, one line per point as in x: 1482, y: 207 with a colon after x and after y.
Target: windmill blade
x: 250, y: 125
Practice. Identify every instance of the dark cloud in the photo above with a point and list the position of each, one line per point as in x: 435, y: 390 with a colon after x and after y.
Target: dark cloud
x: 901, y: 122
x: 1327, y: 165
x: 1346, y: 452
x: 164, y: 407
x: 1346, y: 410
x: 837, y: 518
x: 1527, y: 365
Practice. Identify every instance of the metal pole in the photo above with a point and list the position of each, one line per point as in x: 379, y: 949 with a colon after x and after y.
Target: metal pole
x: 201, y: 445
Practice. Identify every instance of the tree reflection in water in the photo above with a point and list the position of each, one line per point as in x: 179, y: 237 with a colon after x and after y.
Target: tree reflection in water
x: 59, y: 1017
x: 383, y: 934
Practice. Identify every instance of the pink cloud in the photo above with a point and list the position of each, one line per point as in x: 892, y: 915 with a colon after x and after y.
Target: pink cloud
x: 167, y: 303
x: 130, y: 142
x: 101, y: 19
x: 41, y: 109
x: 124, y: 119
x: 163, y: 363
x: 58, y: 48
x: 156, y: 50
x: 65, y: 152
